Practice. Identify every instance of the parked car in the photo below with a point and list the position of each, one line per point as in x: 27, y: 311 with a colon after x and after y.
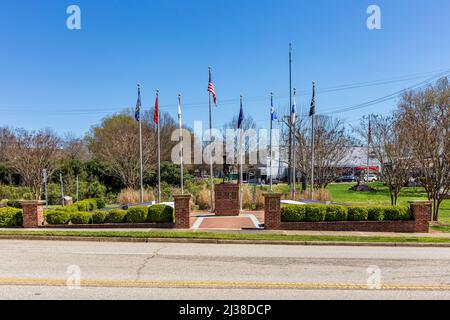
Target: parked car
x: 349, y: 178
x: 370, y: 178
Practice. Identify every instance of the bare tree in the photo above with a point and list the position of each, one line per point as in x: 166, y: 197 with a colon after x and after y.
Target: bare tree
x: 390, y: 147
x: 424, y: 118
x: 330, y: 143
x: 75, y: 148
x: 29, y: 153
x: 116, y: 144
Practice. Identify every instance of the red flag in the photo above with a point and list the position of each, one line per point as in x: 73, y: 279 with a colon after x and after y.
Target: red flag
x: 156, y: 115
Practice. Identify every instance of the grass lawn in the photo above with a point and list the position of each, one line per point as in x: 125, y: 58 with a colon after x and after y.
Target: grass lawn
x: 226, y: 236
x: 341, y: 194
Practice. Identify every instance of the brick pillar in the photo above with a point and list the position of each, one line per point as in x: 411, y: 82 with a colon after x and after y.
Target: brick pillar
x: 182, y: 211
x: 422, y: 214
x: 33, y: 214
x: 272, y: 211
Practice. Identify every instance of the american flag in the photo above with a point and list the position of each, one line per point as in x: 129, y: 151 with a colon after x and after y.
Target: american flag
x: 211, y: 88
x: 156, y: 115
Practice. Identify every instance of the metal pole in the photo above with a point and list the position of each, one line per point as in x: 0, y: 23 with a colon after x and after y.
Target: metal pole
x: 78, y: 188
x: 290, y: 121
x: 241, y: 176
x: 159, y: 152
x: 270, y: 148
x: 45, y: 188
x: 312, y: 156
x: 181, y: 140
x: 140, y: 155
x: 211, y: 169
x: 294, y: 191
x: 62, y: 188
x: 368, y: 152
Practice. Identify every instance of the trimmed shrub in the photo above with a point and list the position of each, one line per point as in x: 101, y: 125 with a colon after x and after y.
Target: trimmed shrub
x: 101, y: 203
x: 70, y: 208
x: 99, y: 217
x: 81, y: 217
x: 57, y: 217
x: 336, y: 213
x: 293, y: 213
x: 10, y: 217
x: 358, y: 214
x: 116, y: 216
x: 137, y: 214
x: 160, y: 213
x: 397, y: 213
x: 87, y: 205
x: 315, y: 213
x: 376, y: 213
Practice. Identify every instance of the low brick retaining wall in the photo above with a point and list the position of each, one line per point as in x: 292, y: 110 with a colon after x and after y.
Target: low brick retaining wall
x: 421, y: 212
x: 363, y: 226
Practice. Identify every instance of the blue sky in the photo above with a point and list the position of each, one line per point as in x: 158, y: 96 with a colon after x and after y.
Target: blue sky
x: 69, y: 80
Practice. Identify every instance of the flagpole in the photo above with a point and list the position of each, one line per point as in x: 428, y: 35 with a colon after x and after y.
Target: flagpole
x: 211, y: 170
x: 159, y: 151
x: 368, y: 151
x: 140, y: 153
x: 241, y: 175
x: 270, y: 148
x: 290, y: 121
x: 312, y: 148
x: 294, y: 191
x: 181, y: 140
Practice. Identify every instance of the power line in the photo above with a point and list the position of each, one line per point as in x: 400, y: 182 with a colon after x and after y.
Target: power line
x: 197, y: 105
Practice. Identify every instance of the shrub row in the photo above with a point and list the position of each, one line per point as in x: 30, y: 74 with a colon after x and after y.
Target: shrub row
x: 319, y: 213
x: 10, y: 217
x: 153, y: 214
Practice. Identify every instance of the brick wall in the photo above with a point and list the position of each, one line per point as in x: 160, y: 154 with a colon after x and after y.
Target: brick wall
x: 272, y: 211
x: 33, y: 214
x: 226, y: 198
x: 182, y: 211
x: 421, y: 211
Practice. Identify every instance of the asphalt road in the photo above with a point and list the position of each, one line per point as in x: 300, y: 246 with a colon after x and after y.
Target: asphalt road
x: 42, y: 270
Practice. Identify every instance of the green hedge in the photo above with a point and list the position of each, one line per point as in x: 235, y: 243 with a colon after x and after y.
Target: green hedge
x: 10, y: 217
x: 358, y: 214
x: 116, y: 216
x: 397, y: 213
x: 293, y: 213
x: 81, y: 217
x: 57, y: 217
x: 137, y: 215
x: 315, y: 213
x: 376, y: 213
x: 99, y: 217
x: 318, y: 213
x: 336, y: 213
x: 160, y: 213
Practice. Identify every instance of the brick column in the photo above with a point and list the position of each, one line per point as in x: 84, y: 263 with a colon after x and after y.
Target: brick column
x: 272, y: 211
x: 182, y: 211
x: 33, y: 214
x: 422, y: 214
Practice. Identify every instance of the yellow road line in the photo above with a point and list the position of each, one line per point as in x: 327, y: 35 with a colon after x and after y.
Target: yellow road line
x: 217, y: 285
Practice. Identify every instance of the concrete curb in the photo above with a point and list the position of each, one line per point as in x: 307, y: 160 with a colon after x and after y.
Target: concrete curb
x: 221, y: 241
